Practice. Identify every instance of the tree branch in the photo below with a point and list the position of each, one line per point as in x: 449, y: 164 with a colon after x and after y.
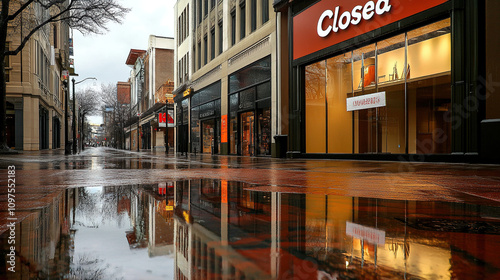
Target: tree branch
x: 34, y: 30
x: 18, y: 12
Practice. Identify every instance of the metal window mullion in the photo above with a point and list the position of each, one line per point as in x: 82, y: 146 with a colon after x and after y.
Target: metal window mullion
x: 326, y: 106
x: 377, y: 111
x: 406, y: 95
x: 353, y: 115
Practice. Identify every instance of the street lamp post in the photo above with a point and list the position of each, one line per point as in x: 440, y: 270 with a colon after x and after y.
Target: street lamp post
x: 74, y: 110
x: 67, y: 149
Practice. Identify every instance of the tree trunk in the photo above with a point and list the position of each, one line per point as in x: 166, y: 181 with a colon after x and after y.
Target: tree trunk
x: 4, y: 13
x: 3, y: 103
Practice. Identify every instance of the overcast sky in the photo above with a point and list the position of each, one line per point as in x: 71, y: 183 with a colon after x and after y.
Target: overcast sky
x: 104, y: 56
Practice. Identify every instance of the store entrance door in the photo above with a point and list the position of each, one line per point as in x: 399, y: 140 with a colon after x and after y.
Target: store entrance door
x: 208, y: 136
x: 247, y: 134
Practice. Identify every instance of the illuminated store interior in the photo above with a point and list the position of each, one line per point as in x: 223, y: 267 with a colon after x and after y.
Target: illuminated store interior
x: 414, y: 71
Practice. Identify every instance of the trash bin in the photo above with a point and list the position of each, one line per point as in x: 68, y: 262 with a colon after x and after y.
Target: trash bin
x: 68, y: 147
x: 281, y: 144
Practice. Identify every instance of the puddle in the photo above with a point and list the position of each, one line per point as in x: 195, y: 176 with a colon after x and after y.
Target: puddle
x: 210, y: 229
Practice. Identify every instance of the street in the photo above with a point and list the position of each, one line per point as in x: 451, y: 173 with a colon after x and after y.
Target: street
x: 115, y: 214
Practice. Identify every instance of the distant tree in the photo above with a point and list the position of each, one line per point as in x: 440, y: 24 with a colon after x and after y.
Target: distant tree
x: 116, y: 114
x: 26, y: 17
x: 89, y: 104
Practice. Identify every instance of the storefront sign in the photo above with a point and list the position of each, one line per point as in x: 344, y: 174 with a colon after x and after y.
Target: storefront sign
x: 163, y: 118
x: 353, y: 17
x: 223, y: 129
x: 371, y: 235
x: 187, y: 92
x: 330, y: 22
x: 366, y: 101
x: 208, y: 113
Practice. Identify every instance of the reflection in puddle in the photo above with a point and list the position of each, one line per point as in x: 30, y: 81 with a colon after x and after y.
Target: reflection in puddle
x: 206, y: 229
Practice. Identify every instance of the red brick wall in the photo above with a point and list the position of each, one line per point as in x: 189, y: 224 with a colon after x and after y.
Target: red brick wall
x: 164, y: 67
x: 164, y: 93
x: 123, y: 89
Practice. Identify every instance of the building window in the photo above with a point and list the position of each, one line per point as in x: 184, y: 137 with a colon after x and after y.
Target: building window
x: 233, y: 28
x: 187, y: 21
x: 221, y: 36
x: 200, y: 11
x: 253, y: 15
x: 265, y: 11
x: 42, y: 65
x: 186, y: 62
x: 212, y: 4
x: 194, y: 58
x: 179, y: 69
x: 205, y: 8
x: 205, y: 50
x: 212, y: 44
x: 55, y: 36
x: 194, y: 12
x: 179, y: 36
x: 199, y: 55
x: 183, y: 26
x: 242, y: 20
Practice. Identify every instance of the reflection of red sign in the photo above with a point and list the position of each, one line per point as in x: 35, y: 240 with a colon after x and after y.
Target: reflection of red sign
x: 330, y: 22
x: 223, y: 129
x: 223, y: 191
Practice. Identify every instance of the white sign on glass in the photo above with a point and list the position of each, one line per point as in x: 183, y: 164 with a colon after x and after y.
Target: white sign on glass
x: 366, y: 101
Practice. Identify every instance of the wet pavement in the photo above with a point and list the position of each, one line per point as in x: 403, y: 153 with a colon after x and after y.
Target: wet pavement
x: 111, y: 214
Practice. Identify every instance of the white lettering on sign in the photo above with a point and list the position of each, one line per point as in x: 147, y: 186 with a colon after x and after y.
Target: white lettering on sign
x: 353, y: 17
x: 368, y: 234
x: 366, y: 101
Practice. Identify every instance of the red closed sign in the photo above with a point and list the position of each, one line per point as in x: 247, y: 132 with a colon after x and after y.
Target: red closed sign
x: 330, y: 22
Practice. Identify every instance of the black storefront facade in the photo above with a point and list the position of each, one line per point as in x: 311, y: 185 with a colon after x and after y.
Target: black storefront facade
x: 249, y: 110
x: 205, y: 119
x: 227, y: 119
x: 395, y: 80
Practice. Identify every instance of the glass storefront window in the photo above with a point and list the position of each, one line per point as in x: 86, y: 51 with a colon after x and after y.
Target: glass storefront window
x: 429, y: 91
x: 185, y: 111
x: 365, y: 121
x: 264, y: 131
x: 264, y: 91
x: 247, y: 134
x: 493, y: 59
x: 338, y: 88
x: 195, y: 129
x: 208, y: 135
x: 258, y: 72
x: 233, y: 124
x: 413, y: 70
x: 316, y: 108
x: 250, y: 110
x: 205, y: 105
x: 391, y: 62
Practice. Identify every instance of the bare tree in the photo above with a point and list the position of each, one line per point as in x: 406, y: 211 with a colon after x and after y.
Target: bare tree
x: 89, y: 104
x: 26, y: 17
x: 116, y: 114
